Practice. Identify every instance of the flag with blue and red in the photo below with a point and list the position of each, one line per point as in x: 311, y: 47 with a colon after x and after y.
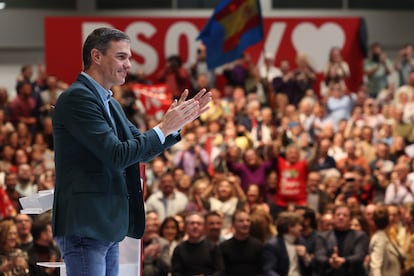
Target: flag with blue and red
x: 234, y: 26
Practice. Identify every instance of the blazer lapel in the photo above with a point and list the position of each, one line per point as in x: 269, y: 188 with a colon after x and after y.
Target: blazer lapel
x: 84, y: 80
x: 121, y: 126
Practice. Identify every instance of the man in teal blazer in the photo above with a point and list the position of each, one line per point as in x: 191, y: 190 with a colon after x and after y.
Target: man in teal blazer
x: 98, y: 194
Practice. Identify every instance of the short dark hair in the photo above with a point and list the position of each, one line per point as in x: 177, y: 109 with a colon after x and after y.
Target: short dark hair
x: 340, y: 206
x: 21, y: 84
x: 100, y: 39
x: 39, y: 226
x: 381, y: 217
x: 311, y: 215
x: 212, y: 214
x: 286, y: 220
x: 236, y: 213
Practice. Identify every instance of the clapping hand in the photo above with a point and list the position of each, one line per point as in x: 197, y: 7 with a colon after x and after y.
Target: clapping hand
x: 183, y: 111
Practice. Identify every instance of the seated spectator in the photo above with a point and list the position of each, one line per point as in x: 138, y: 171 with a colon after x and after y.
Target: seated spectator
x: 359, y: 223
x: 398, y: 148
x: 323, y: 161
x: 214, y: 226
x: 326, y: 222
x: 10, y: 182
x: 396, y: 230
x: 352, y: 159
x: 366, y: 146
x: 242, y: 254
x: 196, y: 255
x: 44, y: 248
x: 286, y: 253
x: 193, y: 159
x: 13, y: 260
x: 400, y: 188
x: 262, y: 226
x: 156, y: 255
x: 25, y: 181
x: 24, y: 231
x: 401, y: 128
x: 226, y: 199
x: 170, y: 231
x: 23, y: 106
x: 254, y: 200
x: 339, y: 102
x: 316, y: 197
x: 337, y: 147
x: 341, y: 251
x: 7, y: 208
x: 309, y: 228
x: 197, y: 201
x: 167, y: 201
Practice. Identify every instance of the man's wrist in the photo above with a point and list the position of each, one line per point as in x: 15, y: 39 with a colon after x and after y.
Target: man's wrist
x: 160, y: 133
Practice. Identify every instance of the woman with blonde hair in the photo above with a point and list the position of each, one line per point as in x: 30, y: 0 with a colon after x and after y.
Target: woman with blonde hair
x: 227, y: 197
x: 262, y: 226
x: 13, y: 261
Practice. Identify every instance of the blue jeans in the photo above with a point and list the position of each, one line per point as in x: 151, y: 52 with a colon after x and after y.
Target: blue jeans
x: 89, y: 257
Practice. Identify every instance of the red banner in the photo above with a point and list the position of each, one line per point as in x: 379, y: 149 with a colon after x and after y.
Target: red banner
x: 154, y: 39
x: 155, y: 99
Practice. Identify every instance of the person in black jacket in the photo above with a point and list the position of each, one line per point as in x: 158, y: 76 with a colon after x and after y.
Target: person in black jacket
x: 341, y: 251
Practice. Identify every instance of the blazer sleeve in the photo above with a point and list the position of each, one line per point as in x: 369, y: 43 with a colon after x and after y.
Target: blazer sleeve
x: 377, y: 248
x: 360, y: 248
x: 270, y: 260
x: 81, y: 114
x: 322, y: 252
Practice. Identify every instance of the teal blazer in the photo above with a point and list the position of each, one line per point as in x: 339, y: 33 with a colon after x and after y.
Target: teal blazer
x: 98, y: 189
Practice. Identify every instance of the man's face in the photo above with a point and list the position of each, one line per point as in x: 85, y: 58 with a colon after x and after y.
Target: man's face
x: 11, y: 181
x: 342, y: 218
x: 393, y: 214
x: 242, y: 224
x: 213, y: 226
x: 292, y: 155
x: 326, y: 222
x: 314, y: 179
x: 194, y: 227
x: 114, y: 64
x: 167, y: 184
x: 24, y: 224
x: 296, y: 230
x: 152, y: 224
x: 250, y: 158
x: 47, y: 234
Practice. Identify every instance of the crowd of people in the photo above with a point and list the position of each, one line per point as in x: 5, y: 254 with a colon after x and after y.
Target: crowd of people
x: 276, y: 178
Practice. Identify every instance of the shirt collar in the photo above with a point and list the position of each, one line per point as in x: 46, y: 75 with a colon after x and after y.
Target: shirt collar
x: 103, y: 93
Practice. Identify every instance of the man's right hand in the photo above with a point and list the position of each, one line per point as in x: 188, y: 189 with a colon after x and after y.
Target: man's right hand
x: 183, y: 111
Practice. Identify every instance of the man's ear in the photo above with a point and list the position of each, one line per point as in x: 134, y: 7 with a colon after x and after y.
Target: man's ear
x: 96, y: 56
